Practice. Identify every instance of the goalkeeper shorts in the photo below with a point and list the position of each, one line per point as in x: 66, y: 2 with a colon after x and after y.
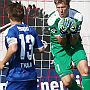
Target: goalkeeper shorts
x: 63, y: 59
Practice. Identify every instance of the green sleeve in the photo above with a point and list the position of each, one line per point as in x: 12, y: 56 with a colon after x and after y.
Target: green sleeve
x: 54, y: 28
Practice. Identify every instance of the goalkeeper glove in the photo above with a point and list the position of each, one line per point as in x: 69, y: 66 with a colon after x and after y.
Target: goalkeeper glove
x: 73, y: 27
x: 78, y: 25
x: 63, y: 26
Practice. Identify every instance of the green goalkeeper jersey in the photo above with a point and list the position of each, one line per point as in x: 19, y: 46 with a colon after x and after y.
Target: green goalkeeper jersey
x: 55, y: 31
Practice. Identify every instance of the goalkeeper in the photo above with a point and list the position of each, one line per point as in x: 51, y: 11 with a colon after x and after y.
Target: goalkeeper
x: 64, y: 26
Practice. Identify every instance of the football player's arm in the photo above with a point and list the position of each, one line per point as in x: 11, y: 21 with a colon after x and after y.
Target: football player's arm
x: 61, y: 41
x: 44, y: 46
x: 41, y: 49
x: 63, y: 26
x: 61, y: 38
x: 12, y: 47
x: 74, y: 39
x: 39, y: 45
x: 10, y: 52
x: 53, y: 29
x: 75, y: 32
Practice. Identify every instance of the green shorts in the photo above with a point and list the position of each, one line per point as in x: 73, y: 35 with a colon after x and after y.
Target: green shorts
x: 63, y: 59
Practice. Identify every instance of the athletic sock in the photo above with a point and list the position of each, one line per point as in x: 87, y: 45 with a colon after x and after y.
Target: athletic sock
x: 85, y: 82
x: 74, y: 86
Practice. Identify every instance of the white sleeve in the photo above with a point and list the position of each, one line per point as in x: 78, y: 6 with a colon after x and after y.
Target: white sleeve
x: 11, y: 41
x: 79, y: 17
x: 51, y: 20
x: 75, y: 14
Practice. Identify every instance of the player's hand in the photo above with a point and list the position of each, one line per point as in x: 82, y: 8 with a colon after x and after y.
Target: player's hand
x: 73, y: 27
x: 44, y: 43
x: 64, y: 25
x: 1, y: 65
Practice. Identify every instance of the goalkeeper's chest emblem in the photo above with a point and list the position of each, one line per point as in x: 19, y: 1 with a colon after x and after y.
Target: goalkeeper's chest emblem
x: 53, y: 30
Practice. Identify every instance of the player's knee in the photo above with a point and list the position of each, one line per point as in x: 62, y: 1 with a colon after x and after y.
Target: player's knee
x: 85, y: 72
x: 67, y: 82
x: 83, y: 68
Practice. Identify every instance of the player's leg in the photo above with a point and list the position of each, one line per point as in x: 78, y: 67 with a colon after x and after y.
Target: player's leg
x: 83, y: 69
x: 63, y: 67
x: 80, y: 59
x: 70, y: 83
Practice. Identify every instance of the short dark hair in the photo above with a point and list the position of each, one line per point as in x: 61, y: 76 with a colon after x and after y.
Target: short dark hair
x: 60, y: 1
x: 15, y: 11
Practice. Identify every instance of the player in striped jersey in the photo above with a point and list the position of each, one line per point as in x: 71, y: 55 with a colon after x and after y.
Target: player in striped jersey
x: 64, y: 26
x: 20, y: 41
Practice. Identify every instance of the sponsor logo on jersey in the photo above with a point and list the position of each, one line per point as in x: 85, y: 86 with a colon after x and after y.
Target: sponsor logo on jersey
x: 53, y: 30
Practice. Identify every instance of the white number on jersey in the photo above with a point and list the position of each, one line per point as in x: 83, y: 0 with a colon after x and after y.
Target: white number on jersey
x: 28, y: 38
